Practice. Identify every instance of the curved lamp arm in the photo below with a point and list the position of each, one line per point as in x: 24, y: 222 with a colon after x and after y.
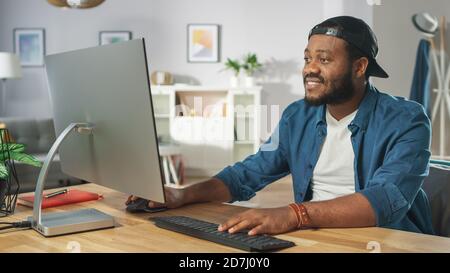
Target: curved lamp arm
x: 82, y: 128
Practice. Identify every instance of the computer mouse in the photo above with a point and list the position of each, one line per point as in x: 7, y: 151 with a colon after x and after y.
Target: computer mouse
x: 141, y: 205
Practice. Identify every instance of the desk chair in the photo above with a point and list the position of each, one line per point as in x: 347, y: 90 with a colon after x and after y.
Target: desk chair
x: 437, y: 188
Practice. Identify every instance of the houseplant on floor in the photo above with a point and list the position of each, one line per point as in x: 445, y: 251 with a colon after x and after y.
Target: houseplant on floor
x: 250, y: 65
x: 9, y: 184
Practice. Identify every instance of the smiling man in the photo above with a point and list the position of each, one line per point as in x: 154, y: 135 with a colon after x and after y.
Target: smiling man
x: 358, y: 157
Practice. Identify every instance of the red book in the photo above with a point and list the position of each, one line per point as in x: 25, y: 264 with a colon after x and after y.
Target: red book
x: 71, y: 197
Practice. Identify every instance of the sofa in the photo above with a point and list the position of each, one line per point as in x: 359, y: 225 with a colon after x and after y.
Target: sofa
x: 38, y: 135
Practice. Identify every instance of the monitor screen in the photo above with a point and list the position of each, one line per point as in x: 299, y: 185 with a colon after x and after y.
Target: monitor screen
x: 107, y: 86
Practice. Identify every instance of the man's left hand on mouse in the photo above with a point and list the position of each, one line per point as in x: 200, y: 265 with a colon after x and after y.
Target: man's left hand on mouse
x: 174, y: 198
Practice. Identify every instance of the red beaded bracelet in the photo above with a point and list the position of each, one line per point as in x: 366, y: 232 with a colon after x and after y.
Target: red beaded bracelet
x: 297, y: 214
x: 303, y: 219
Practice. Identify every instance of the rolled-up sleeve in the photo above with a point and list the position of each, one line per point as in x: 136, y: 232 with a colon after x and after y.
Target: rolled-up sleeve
x: 269, y: 164
x: 396, y: 183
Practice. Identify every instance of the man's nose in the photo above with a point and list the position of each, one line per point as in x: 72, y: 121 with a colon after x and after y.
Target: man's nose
x: 311, y: 68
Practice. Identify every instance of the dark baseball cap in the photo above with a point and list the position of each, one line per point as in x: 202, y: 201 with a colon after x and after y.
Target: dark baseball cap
x: 357, y: 33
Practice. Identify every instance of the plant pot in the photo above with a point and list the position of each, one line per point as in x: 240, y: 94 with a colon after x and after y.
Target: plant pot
x: 249, y: 81
x: 234, y: 81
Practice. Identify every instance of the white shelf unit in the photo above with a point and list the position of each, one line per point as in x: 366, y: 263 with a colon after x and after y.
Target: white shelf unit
x: 246, y: 123
x: 209, y: 142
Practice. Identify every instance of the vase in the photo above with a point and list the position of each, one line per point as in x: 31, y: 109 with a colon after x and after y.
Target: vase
x: 249, y: 81
x: 234, y: 81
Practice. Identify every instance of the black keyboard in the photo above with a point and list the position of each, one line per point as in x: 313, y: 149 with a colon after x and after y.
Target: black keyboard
x: 208, y: 231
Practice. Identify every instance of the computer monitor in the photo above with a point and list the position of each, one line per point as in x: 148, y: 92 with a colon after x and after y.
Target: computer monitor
x: 107, y: 86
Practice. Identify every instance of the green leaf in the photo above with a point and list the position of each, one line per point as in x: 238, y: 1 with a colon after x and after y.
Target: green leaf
x: 6, y: 148
x: 12, y: 147
x: 233, y: 65
x: 3, y: 171
x: 251, y: 63
x: 26, y: 159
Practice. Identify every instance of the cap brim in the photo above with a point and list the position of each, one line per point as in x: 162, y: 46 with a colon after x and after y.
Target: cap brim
x: 375, y: 70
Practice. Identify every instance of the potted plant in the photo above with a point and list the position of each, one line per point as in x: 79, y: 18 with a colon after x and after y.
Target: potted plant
x: 234, y: 66
x: 11, y: 152
x: 250, y: 65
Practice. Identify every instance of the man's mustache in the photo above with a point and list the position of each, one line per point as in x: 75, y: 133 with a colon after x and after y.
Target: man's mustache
x: 315, y: 76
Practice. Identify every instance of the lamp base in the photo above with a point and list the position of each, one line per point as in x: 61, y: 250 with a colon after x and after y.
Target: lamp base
x: 3, y: 110
x: 59, y: 223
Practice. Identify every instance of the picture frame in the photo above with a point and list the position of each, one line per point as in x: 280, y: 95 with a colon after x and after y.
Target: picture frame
x: 29, y: 45
x: 111, y: 37
x: 203, y: 43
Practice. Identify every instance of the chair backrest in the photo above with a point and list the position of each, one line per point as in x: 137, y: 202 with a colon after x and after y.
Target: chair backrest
x: 38, y: 135
x: 437, y: 188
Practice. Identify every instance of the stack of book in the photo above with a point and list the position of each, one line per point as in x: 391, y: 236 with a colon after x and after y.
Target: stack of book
x: 173, y: 167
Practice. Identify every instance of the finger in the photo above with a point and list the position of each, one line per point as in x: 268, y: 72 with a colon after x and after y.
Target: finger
x: 130, y: 199
x: 230, y: 222
x: 153, y: 204
x: 169, y: 197
x: 257, y: 230
x: 240, y: 226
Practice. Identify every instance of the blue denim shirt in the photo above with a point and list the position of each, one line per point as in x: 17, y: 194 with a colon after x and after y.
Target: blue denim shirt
x: 390, y: 139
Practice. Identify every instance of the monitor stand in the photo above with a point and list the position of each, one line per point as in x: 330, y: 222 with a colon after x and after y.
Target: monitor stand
x: 59, y: 223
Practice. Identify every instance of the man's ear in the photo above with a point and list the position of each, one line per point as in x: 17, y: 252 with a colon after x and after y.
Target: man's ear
x: 360, y: 66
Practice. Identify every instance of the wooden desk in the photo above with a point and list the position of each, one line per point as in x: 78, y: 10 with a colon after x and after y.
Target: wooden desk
x: 134, y: 233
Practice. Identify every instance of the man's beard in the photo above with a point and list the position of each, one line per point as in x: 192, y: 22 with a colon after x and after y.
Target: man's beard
x: 341, y: 90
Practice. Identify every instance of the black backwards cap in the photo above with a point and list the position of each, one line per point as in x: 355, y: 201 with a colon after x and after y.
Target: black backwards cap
x: 357, y: 33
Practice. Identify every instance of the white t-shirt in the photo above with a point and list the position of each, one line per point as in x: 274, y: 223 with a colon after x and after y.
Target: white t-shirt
x: 333, y: 175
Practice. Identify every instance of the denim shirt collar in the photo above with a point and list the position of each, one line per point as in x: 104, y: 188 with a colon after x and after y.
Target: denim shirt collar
x: 365, y: 108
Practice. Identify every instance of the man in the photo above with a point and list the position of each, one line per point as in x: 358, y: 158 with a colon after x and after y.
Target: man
x: 357, y: 156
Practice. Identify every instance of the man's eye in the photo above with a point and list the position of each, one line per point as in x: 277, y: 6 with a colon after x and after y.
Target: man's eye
x: 307, y: 60
x: 324, y: 60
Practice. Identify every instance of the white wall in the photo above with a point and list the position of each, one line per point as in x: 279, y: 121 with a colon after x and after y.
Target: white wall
x: 398, y: 40
x: 358, y: 8
x: 275, y: 30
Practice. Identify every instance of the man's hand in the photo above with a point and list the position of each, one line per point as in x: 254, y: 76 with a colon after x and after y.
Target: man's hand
x: 262, y: 221
x: 174, y: 198
x: 210, y: 190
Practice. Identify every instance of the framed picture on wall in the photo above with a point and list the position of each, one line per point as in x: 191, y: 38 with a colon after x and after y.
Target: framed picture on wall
x: 29, y: 45
x: 203, y: 43
x: 111, y: 37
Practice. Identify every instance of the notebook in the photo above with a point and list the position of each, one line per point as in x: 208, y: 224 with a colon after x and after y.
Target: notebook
x: 71, y: 197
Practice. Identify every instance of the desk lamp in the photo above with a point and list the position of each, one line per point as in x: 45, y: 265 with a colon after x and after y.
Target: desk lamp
x: 9, y: 69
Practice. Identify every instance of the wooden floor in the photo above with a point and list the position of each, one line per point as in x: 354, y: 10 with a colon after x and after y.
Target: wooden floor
x: 279, y: 193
